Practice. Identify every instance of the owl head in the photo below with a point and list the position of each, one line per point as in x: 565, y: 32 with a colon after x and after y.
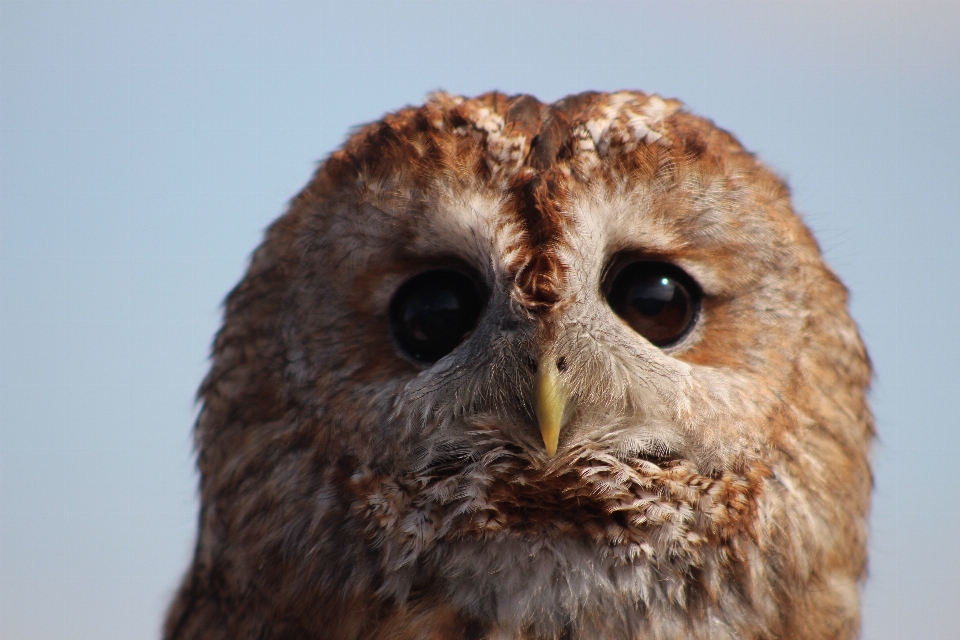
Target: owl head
x: 510, y: 369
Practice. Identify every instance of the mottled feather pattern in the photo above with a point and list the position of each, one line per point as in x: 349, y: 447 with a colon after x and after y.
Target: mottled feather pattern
x: 716, y: 488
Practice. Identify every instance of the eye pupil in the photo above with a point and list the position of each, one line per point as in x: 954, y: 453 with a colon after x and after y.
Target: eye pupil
x: 657, y: 300
x: 433, y: 312
x: 430, y: 313
x: 652, y: 299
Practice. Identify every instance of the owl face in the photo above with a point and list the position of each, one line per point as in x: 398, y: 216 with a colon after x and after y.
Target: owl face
x: 540, y: 370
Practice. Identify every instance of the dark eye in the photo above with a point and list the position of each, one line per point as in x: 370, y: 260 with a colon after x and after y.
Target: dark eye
x: 658, y: 300
x: 433, y: 311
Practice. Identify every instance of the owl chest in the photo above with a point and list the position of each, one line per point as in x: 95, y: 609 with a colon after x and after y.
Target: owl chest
x: 514, y: 570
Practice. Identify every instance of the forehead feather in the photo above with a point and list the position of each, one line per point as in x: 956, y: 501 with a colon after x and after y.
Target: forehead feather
x: 508, y: 133
x: 680, y: 180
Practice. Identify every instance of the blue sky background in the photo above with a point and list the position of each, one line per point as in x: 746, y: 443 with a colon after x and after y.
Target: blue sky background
x: 144, y: 146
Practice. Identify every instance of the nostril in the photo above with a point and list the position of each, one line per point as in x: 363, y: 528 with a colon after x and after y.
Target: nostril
x: 561, y: 364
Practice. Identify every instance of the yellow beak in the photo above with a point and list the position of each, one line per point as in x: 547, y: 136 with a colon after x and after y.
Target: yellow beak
x: 550, y: 402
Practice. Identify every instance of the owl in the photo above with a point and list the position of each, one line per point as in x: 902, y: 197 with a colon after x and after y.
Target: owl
x: 526, y: 371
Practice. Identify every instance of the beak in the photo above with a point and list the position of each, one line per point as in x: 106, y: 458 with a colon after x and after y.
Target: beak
x: 551, y: 401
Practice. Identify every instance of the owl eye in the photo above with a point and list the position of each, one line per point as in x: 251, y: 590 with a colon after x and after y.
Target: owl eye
x: 657, y: 300
x: 433, y: 312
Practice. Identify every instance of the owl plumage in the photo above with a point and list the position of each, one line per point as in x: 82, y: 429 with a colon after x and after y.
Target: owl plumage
x: 570, y: 464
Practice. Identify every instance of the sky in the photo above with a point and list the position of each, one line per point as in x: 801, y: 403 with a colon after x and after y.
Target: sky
x: 144, y: 147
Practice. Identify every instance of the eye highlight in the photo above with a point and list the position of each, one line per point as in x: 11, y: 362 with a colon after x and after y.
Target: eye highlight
x: 658, y: 300
x: 432, y: 313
